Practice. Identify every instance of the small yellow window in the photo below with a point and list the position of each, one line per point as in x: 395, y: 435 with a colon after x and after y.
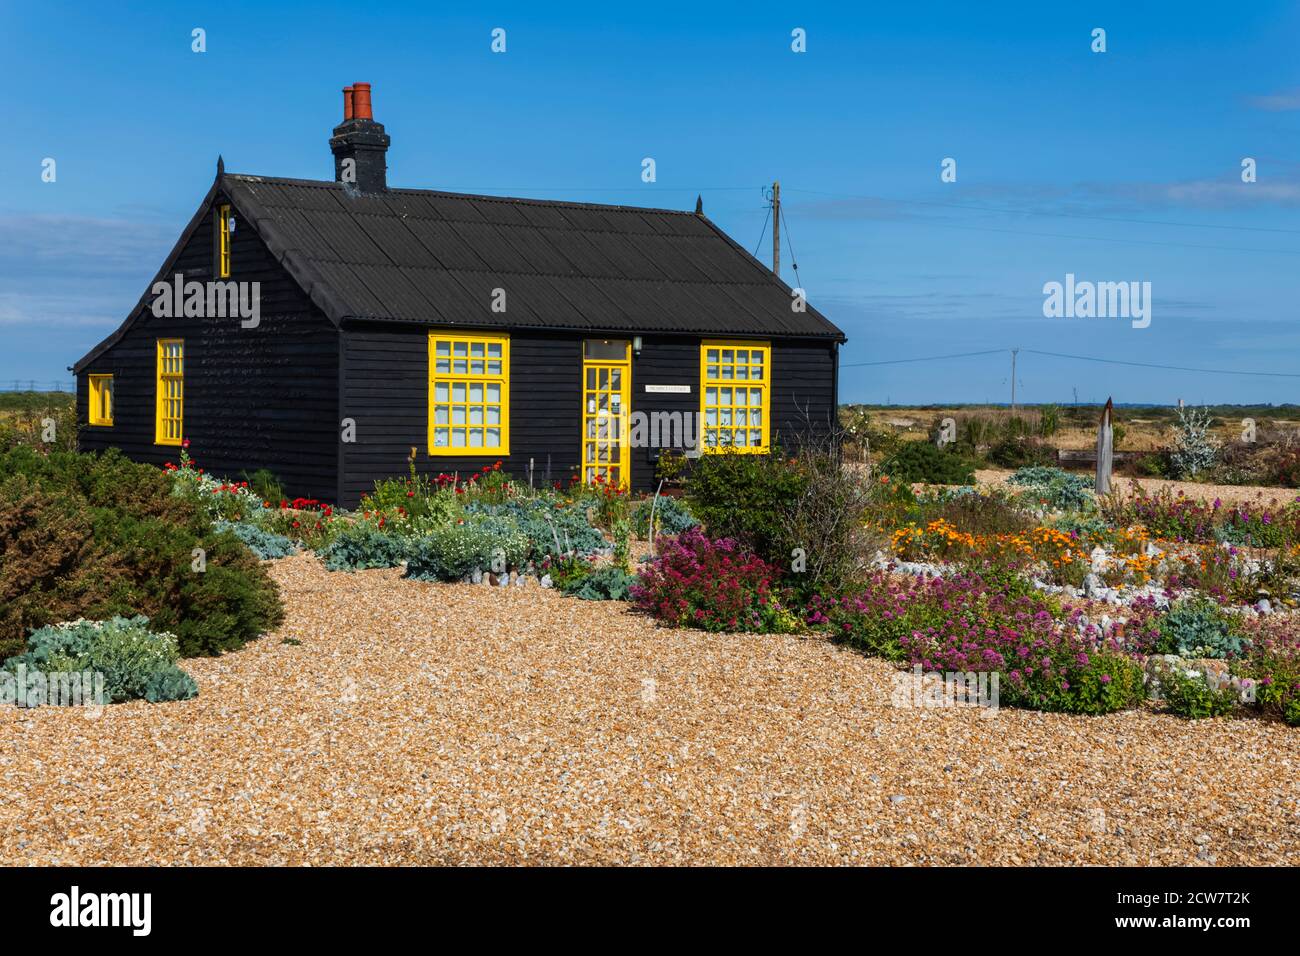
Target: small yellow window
x: 735, y: 396
x: 169, y: 421
x: 469, y: 394
x: 101, y: 400
x: 223, y: 242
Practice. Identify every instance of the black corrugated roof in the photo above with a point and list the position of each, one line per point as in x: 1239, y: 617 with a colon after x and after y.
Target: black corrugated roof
x: 423, y: 256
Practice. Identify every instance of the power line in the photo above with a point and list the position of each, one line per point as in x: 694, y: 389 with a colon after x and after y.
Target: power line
x: 794, y: 260
x: 762, y: 232
x: 1003, y: 210
x: 1171, y: 368
x: 1079, y: 358
x: 927, y: 358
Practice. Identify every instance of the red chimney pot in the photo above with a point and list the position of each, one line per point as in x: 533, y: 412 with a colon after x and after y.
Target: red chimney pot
x: 347, y: 102
x: 361, y: 101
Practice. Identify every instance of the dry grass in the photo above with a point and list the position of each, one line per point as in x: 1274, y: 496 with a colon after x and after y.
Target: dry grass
x: 1140, y: 434
x: 421, y: 723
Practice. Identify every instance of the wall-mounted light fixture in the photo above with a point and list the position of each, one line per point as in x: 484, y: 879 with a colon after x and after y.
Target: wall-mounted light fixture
x: 636, y: 345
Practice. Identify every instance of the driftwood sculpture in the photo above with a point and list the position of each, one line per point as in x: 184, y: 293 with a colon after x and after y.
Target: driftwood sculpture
x: 1105, y: 449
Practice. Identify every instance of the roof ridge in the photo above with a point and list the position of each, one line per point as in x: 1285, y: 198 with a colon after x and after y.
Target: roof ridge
x: 327, y: 184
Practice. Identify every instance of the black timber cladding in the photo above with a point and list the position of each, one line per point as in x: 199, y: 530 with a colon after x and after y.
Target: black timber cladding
x: 264, y: 397
x: 385, y: 376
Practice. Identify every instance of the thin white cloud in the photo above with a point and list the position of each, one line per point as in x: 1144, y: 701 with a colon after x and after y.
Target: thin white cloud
x: 1283, y: 102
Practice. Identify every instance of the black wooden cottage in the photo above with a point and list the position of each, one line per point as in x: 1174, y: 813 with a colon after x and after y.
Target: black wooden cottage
x: 466, y: 329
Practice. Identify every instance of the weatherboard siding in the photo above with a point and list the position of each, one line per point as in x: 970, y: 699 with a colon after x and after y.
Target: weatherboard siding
x: 385, y: 391
x: 263, y: 397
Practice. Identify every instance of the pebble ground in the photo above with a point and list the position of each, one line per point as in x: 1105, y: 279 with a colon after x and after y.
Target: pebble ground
x: 398, y: 722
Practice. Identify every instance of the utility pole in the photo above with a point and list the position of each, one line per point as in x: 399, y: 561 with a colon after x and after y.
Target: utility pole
x: 1013, y: 380
x: 776, y: 227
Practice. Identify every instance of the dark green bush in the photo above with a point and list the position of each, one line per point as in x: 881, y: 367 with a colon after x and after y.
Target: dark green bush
x: 1020, y: 452
x: 745, y: 497
x: 98, y: 536
x: 920, y: 461
x: 265, y: 485
x: 1153, y: 465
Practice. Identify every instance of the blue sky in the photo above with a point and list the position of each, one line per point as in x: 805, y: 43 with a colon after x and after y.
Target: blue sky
x: 1115, y: 166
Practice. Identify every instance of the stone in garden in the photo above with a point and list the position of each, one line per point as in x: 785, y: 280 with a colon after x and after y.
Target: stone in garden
x: 476, y: 576
x: 1264, y: 607
x: 546, y: 581
x: 503, y: 580
x: 520, y: 579
x: 1099, y: 559
x: 1092, y: 585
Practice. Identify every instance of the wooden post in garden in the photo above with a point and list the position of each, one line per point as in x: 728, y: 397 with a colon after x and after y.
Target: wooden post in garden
x: 1105, y: 449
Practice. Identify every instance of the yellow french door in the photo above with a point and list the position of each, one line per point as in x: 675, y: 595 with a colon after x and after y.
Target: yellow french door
x: 606, y: 407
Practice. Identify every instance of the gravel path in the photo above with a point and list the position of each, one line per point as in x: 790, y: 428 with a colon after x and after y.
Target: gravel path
x: 1228, y: 494
x: 420, y: 723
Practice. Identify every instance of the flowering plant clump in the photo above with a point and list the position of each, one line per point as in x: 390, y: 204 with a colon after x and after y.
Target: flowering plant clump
x: 714, y: 585
x: 1060, y: 555
x: 1273, y: 662
x: 1163, y: 514
x: 1046, y: 659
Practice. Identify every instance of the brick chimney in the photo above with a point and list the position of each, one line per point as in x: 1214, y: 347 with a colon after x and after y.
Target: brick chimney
x: 359, y: 144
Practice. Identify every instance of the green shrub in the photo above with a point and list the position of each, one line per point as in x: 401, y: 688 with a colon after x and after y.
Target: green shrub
x: 1190, y: 695
x: 1273, y: 663
x: 1019, y: 452
x: 671, y: 515
x: 264, y: 484
x: 920, y: 461
x: 482, y: 542
x: 136, y: 663
x: 1197, y: 627
x: 264, y: 544
x: 551, y: 528
x: 363, y: 546
x: 745, y: 497
x: 1153, y: 465
x: 606, y: 583
x: 98, y: 536
x: 1108, y: 682
x: 1057, y: 489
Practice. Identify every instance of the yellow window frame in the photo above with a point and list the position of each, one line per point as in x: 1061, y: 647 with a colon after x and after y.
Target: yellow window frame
x: 468, y: 359
x: 590, y: 435
x: 223, y: 242
x: 169, y: 408
x: 717, y: 355
x: 99, y: 405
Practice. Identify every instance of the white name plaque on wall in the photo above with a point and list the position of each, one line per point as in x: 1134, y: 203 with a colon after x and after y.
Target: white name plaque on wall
x: 670, y: 389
